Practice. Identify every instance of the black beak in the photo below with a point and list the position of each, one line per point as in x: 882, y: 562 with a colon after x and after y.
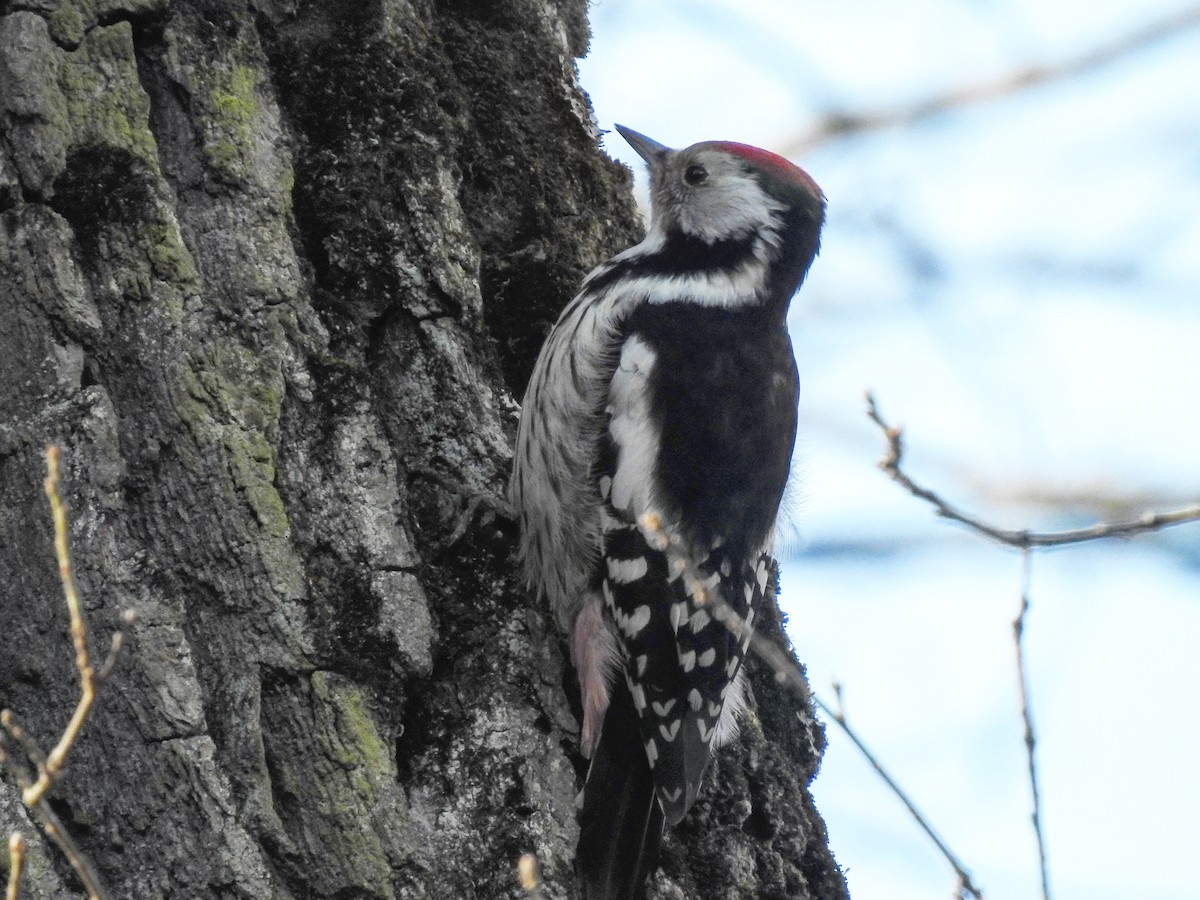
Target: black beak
x: 651, y: 151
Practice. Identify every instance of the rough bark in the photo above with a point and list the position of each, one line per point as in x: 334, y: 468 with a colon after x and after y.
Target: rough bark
x: 268, y: 270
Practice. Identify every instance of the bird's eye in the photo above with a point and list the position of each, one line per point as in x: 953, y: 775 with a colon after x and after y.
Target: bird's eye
x: 695, y: 175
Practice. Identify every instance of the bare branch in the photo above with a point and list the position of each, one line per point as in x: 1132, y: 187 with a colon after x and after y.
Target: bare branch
x: 680, y: 560
x: 786, y: 670
x: 16, y: 861
x: 53, y: 828
x: 50, y: 766
x: 527, y: 874
x: 79, y: 637
x: 24, y: 740
x: 1022, y: 539
x: 839, y: 125
x: 1027, y: 718
x: 965, y: 886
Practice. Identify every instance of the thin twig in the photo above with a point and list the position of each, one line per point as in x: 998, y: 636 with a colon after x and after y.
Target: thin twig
x: 24, y: 740
x: 839, y: 125
x: 786, y: 670
x: 49, y: 770
x: 43, y: 815
x: 680, y: 559
x: 49, y: 767
x: 16, y: 860
x: 1022, y: 539
x: 53, y: 828
x: 1027, y: 718
x: 528, y: 875
x: 966, y: 886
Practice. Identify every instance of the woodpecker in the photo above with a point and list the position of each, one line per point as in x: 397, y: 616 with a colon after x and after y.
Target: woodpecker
x: 665, y: 394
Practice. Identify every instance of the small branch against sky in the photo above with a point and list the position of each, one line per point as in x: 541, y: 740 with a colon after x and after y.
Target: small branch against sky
x: 965, y: 886
x: 1026, y: 541
x: 1022, y: 539
x: 837, y: 125
x: 1027, y: 719
x: 786, y: 672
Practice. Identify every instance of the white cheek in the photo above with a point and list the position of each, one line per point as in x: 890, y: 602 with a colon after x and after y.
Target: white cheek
x: 732, y: 208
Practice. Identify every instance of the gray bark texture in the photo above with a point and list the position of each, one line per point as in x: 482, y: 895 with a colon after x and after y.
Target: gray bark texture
x: 271, y: 273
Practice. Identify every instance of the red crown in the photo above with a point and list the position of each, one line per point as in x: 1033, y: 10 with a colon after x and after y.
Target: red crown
x: 779, y: 168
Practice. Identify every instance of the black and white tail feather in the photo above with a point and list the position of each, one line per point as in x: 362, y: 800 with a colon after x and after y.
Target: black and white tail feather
x: 667, y: 389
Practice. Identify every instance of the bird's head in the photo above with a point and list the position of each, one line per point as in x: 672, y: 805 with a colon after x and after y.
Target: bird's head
x: 743, y: 224
x: 721, y: 190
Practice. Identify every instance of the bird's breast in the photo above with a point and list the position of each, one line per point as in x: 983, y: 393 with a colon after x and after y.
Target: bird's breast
x: 720, y: 401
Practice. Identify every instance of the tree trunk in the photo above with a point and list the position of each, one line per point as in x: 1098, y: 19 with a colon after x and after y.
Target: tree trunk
x: 270, y: 275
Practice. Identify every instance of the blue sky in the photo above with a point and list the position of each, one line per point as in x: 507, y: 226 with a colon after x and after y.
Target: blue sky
x: 1019, y: 283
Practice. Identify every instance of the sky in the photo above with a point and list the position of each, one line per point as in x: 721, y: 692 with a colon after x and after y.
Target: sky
x: 1018, y: 281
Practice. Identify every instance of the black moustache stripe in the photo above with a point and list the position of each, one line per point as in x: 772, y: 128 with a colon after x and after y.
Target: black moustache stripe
x: 682, y: 255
